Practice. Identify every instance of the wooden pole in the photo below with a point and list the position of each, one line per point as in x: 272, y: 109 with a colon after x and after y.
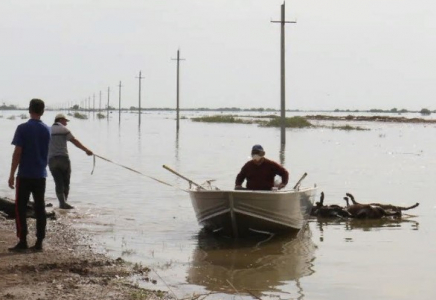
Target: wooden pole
x: 183, y: 177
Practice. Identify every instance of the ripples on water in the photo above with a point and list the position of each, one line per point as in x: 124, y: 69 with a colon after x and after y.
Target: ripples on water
x: 144, y: 221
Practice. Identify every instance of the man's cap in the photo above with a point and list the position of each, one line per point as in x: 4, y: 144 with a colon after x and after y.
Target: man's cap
x: 61, y: 116
x: 257, y: 148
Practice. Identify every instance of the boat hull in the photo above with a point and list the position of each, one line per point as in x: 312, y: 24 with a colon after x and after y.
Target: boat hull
x: 241, y: 212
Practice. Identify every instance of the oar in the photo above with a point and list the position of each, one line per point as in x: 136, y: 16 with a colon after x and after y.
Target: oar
x: 299, y: 181
x: 183, y: 177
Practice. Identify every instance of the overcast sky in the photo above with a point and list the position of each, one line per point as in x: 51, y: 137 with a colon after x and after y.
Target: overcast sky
x: 346, y: 54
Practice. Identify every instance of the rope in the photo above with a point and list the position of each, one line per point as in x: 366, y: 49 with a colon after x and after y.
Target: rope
x: 132, y: 170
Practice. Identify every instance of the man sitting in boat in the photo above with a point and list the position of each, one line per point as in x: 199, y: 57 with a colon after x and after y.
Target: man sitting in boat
x: 260, y: 172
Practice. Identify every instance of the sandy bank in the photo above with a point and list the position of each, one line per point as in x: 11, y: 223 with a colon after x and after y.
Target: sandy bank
x: 67, y: 268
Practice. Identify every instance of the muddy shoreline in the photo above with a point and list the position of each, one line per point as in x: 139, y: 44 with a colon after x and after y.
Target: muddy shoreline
x: 68, y: 268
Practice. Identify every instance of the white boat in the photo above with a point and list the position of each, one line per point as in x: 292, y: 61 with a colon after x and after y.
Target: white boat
x: 239, y: 212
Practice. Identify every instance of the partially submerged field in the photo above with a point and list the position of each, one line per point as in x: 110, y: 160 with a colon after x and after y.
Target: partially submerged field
x: 384, y: 119
x: 271, y: 121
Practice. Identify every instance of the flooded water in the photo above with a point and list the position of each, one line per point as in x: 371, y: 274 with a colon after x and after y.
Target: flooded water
x: 142, y: 220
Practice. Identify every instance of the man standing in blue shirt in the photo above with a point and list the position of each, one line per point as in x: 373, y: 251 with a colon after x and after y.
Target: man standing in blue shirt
x: 30, y: 155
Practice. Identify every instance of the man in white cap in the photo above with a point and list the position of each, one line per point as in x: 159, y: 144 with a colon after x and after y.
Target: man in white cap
x: 58, y: 159
x: 260, y: 172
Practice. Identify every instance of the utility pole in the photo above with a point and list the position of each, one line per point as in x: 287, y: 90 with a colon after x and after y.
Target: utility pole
x: 93, y: 103
x: 139, y: 107
x: 119, y: 103
x: 178, y: 87
x: 99, y: 108
x: 108, y: 95
x: 282, y: 74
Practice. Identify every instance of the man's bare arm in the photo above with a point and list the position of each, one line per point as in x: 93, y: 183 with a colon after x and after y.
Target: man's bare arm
x: 79, y: 145
x: 16, y: 157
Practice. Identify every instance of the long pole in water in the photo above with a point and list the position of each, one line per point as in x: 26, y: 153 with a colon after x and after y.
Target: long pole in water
x: 299, y: 181
x: 183, y: 177
x: 282, y: 74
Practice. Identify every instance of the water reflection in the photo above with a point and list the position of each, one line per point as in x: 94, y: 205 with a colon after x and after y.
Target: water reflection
x: 255, y: 266
x: 177, y: 148
x: 282, y: 154
x: 139, y: 134
x: 367, y: 225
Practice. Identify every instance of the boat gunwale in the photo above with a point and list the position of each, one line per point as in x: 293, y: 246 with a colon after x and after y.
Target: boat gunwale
x: 281, y: 192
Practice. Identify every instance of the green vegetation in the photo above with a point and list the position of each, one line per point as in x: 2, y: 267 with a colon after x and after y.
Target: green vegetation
x: 265, y: 116
x: 393, y: 110
x: 221, y: 119
x: 80, y: 116
x: 293, y: 122
x: 347, y: 127
x: 100, y: 116
x: 23, y: 116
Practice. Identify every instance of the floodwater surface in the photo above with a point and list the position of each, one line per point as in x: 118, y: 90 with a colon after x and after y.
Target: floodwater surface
x: 141, y: 220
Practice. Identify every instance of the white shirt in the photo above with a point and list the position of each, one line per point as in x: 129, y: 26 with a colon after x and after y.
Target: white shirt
x: 58, y: 143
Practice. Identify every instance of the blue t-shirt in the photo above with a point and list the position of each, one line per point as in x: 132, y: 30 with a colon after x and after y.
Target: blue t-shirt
x: 33, y: 137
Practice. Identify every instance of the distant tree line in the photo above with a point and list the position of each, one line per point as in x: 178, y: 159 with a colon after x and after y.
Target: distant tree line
x: 8, y: 107
x: 423, y: 111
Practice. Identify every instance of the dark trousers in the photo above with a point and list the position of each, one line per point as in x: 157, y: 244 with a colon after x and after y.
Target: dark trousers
x: 25, y: 187
x: 60, y: 168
